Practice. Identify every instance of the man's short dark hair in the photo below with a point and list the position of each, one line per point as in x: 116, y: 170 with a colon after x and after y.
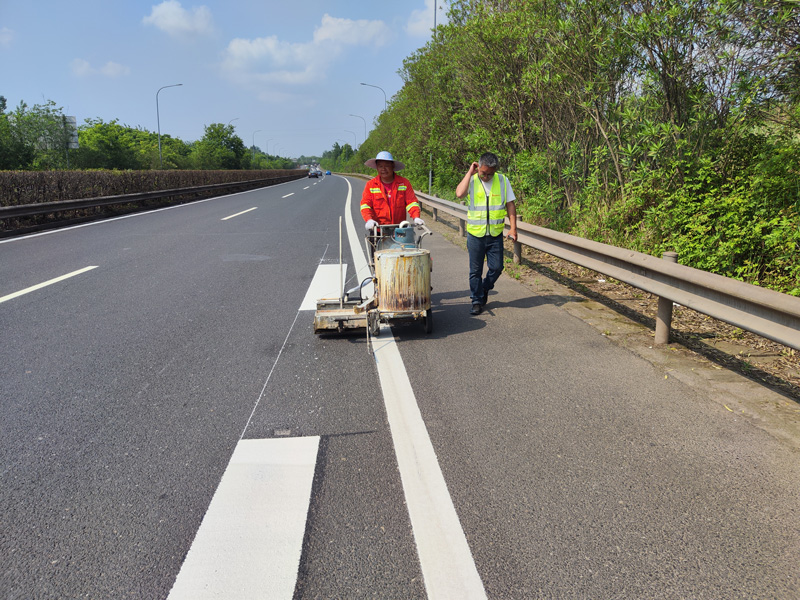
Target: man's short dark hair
x: 489, y: 159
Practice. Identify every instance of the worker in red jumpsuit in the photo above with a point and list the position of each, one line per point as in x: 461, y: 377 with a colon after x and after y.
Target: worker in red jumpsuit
x: 388, y: 196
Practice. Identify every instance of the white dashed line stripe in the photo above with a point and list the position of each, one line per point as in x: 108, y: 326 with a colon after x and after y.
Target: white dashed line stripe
x: 240, y: 213
x: 251, y: 538
x: 45, y: 284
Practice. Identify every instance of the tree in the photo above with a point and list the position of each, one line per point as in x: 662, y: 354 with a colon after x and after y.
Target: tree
x: 108, y: 146
x: 33, y: 137
x: 14, y: 152
x: 336, y: 158
x: 42, y: 127
x: 219, y: 148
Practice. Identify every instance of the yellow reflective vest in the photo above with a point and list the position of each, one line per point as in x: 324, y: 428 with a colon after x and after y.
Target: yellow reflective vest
x: 486, y: 215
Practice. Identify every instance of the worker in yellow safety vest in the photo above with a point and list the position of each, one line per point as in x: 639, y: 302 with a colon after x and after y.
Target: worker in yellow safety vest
x: 491, y: 200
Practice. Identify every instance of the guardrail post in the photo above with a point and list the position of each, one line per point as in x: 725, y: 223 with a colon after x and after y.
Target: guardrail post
x: 664, y: 316
x: 435, y: 214
x: 462, y: 227
x: 517, y: 252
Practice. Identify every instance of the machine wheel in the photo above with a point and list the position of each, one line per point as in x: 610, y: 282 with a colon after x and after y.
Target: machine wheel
x: 374, y: 325
x: 427, y: 321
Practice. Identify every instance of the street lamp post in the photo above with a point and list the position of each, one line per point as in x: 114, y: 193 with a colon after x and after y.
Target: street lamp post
x: 254, y: 146
x: 365, y: 125
x: 355, y: 139
x: 385, y: 102
x: 158, y: 120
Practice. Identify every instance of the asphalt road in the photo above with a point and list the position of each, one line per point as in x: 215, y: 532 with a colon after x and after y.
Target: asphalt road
x: 576, y: 469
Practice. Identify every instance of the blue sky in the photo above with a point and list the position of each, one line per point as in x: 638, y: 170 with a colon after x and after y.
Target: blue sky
x: 285, y: 74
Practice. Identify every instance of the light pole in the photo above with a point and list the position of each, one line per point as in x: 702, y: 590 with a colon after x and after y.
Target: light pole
x: 254, y: 146
x: 268, y: 141
x: 365, y: 125
x: 385, y: 102
x: 232, y: 120
x: 355, y: 140
x: 158, y: 120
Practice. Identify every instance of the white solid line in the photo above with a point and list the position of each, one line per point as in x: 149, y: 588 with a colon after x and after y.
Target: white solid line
x: 45, y: 284
x: 251, y: 538
x: 326, y: 284
x: 240, y: 213
x: 287, y: 195
x: 447, y: 564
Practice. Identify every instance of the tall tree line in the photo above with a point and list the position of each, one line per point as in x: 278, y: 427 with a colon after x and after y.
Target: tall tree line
x: 36, y: 138
x: 648, y: 124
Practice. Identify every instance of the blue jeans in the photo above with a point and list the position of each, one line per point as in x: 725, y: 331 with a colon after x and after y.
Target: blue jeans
x: 490, y: 248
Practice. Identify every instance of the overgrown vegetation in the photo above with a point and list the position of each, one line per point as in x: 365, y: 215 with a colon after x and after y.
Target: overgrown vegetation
x: 646, y: 124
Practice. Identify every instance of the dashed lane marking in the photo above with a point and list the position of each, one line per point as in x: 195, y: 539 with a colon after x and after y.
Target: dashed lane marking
x: 251, y: 538
x: 45, y: 284
x: 239, y: 213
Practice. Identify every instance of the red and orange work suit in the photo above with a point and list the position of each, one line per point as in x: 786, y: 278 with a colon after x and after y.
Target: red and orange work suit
x: 392, y: 210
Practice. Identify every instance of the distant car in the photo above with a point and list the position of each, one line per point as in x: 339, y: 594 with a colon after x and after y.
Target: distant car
x: 327, y: 172
x: 313, y: 173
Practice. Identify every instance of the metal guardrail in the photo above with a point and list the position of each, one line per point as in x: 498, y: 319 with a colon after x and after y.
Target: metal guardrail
x: 28, y: 210
x: 762, y: 311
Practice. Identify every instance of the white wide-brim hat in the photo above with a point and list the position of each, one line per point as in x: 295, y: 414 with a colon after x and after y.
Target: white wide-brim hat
x: 384, y: 156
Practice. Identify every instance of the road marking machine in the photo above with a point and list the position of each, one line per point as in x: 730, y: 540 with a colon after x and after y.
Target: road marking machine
x: 401, y: 273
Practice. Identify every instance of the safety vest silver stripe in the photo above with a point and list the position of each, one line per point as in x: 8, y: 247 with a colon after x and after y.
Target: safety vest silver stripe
x: 482, y: 207
x: 483, y: 221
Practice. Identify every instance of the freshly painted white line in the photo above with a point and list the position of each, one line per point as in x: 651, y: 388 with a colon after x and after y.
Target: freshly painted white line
x: 240, y: 213
x: 45, y: 284
x: 287, y: 195
x: 444, y: 555
x: 359, y: 257
x: 250, y: 541
x: 326, y: 284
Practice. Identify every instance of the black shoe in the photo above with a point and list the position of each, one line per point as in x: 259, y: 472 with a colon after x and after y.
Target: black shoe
x: 476, y: 309
x: 485, y: 299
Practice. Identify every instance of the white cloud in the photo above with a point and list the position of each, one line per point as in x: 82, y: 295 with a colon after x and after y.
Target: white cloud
x: 82, y: 68
x: 6, y: 36
x: 171, y: 18
x: 270, y: 60
x: 351, y: 33
x: 420, y: 23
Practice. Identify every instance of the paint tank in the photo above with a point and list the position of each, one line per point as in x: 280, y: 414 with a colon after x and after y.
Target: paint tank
x: 404, y: 279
